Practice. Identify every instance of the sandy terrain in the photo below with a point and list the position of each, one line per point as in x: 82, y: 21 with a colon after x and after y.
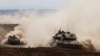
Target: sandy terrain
x: 45, y: 52
x: 5, y: 51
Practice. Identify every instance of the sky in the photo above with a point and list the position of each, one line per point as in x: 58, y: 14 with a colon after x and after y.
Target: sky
x: 32, y: 4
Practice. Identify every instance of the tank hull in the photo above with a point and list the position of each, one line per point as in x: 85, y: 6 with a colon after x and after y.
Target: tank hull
x: 71, y: 46
x: 59, y: 38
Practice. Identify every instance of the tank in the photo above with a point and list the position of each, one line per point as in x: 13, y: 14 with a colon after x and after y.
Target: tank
x: 65, y: 40
x: 13, y: 40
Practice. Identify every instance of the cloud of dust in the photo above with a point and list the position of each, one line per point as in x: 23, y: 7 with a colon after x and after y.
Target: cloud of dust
x: 81, y: 17
x: 84, y: 20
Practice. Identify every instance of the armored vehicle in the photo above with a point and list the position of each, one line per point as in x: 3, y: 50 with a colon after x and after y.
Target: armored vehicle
x: 13, y: 40
x: 65, y: 40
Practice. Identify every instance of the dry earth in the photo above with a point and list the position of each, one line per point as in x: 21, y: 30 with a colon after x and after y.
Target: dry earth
x: 45, y: 52
x: 40, y: 51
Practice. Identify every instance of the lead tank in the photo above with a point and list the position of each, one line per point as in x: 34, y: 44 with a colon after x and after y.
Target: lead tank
x: 65, y: 40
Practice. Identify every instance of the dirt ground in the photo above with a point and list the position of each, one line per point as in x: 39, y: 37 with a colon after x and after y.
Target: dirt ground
x: 41, y: 51
x: 45, y: 52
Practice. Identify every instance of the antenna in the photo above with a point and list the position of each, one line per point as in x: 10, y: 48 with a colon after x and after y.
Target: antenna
x: 67, y: 24
x: 60, y: 28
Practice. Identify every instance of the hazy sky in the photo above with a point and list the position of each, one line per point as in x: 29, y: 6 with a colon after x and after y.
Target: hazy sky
x: 32, y: 4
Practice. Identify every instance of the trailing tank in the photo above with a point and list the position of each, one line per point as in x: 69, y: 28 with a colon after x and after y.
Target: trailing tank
x: 65, y: 40
x: 13, y: 40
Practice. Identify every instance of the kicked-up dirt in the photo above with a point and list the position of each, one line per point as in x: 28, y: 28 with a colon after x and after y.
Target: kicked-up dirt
x: 40, y: 51
x: 5, y: 28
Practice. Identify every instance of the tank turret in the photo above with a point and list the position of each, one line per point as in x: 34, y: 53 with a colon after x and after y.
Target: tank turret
x: 64, y: 35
